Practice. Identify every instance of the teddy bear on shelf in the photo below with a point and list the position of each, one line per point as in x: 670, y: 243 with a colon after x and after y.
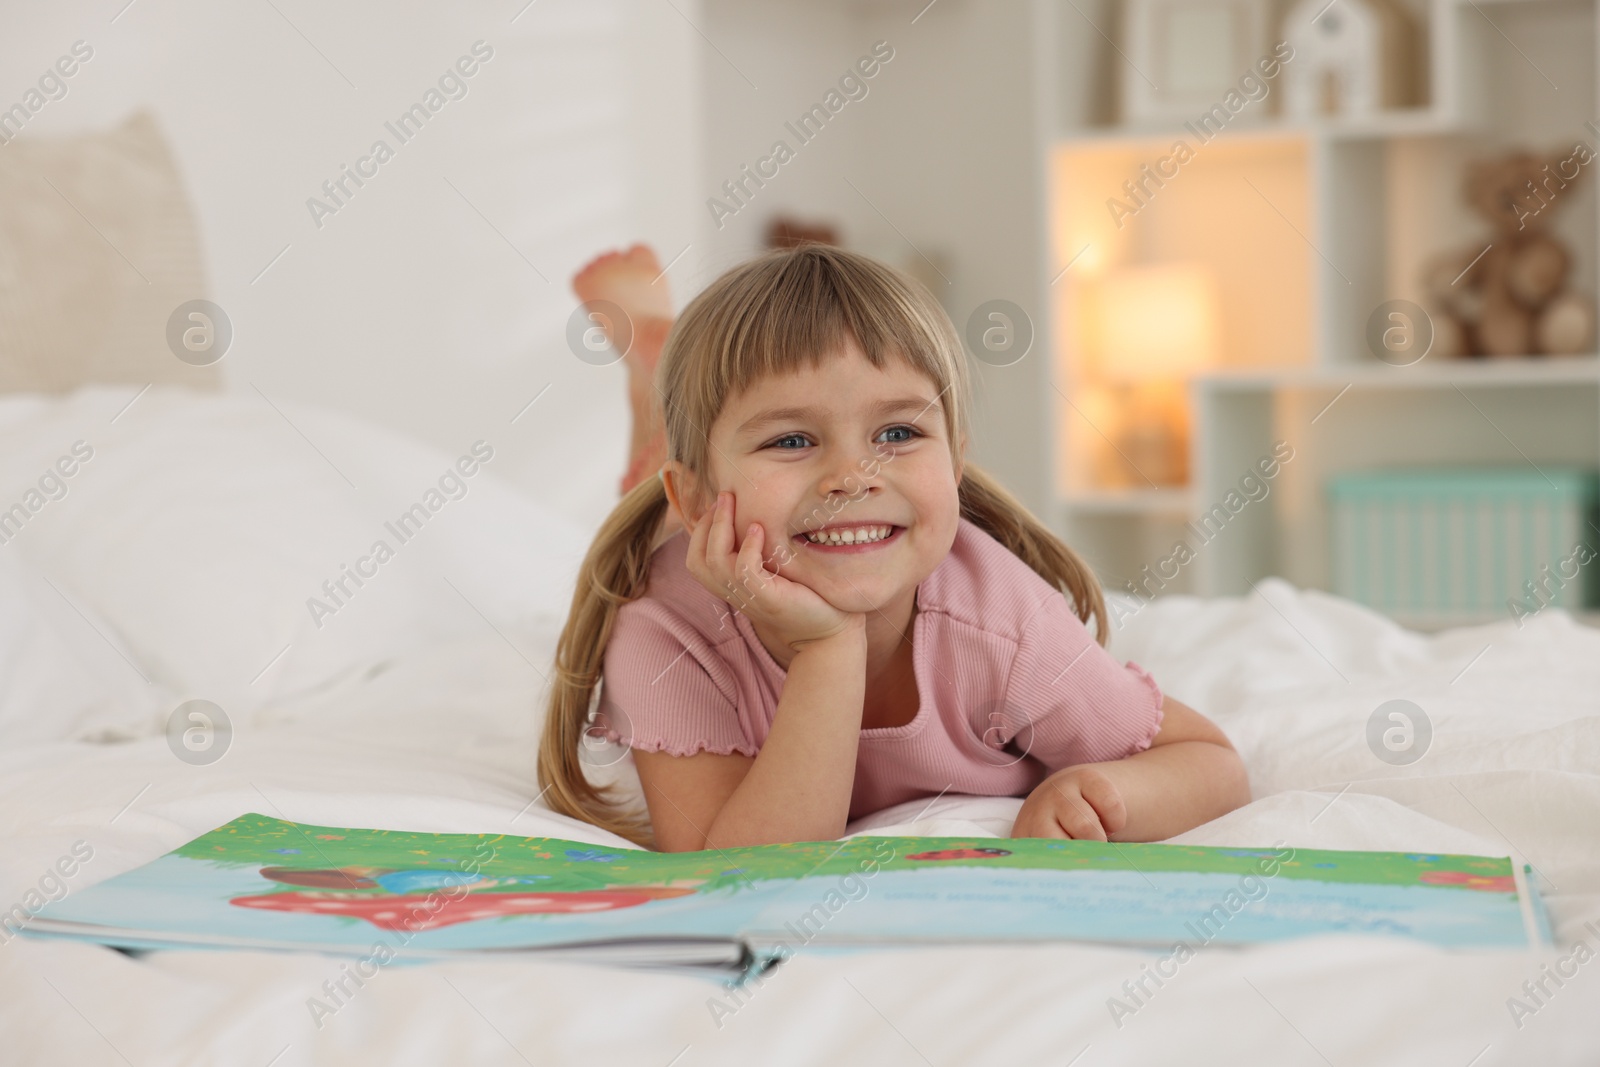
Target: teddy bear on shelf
x: 1511, y: 299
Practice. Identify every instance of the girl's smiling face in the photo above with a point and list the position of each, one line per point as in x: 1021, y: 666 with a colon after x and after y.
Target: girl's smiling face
x: 850, y: 455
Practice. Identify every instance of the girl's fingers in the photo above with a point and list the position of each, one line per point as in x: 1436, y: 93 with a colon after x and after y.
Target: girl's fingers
x: 1107, y: 803
x: 779, y: 555
x: 696, y: 559
x: 1080, y: 821
x: 750, y: 552
x: 747, y: 571
x: 720, y: 545
x: 1029, y: 824
x: 1067, y: 809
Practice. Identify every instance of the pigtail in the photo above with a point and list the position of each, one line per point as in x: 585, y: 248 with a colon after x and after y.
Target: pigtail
x: 616, y: 570
x: 986, y: 504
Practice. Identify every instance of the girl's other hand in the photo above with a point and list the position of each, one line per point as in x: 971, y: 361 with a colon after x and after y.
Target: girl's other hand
x: 1080, y: 803
x: 792, y: 611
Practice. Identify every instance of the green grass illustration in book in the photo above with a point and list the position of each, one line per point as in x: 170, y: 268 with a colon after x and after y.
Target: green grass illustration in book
x: 264, y: 882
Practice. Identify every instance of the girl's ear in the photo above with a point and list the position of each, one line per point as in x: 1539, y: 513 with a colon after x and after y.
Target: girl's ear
x: 961, y: 460
x: 682, y: 492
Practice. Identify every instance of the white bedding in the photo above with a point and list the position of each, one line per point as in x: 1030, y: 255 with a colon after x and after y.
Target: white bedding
x: 422, y: 717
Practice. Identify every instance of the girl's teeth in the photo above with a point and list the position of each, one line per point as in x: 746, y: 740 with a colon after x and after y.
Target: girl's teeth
x: 861, y: 535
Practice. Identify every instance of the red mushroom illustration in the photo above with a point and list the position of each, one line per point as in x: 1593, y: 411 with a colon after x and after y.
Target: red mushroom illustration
x: 1500, y: 883
x: 413, y: 913
x: 959, y: 854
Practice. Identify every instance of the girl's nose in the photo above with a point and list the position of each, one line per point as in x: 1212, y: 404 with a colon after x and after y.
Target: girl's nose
x: 851, y: 476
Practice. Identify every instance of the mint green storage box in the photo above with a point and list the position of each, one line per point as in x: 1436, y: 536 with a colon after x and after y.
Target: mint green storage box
x: 1465, y: 540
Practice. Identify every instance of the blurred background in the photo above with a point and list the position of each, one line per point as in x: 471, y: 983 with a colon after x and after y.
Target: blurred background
x: 1251, y: 288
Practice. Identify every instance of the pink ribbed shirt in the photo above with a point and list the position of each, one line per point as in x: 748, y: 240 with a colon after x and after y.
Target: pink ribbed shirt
x: 1013, y: 686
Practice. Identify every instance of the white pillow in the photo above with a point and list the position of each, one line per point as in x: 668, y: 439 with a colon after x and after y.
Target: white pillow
x: 202, y: 529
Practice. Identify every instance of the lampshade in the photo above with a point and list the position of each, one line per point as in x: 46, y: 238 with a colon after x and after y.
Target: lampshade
x: 1158, y: 321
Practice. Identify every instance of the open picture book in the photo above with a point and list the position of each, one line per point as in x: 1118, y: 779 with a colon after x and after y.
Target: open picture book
x: 394, y: 896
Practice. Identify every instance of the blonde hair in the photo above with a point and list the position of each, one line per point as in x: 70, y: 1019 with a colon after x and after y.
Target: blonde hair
x: 786, y: 309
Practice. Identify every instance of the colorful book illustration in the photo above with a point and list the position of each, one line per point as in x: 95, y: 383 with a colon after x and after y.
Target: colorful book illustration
x: 394, y: 896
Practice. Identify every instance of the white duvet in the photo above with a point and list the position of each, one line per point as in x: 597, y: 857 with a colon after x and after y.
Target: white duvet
x: 178, y: 565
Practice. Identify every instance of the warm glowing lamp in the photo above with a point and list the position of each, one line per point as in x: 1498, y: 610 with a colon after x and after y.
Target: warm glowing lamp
x: 1149, y: 328
x: 1154, y: 322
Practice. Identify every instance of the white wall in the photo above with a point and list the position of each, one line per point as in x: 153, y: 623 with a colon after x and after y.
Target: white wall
x: 407, y: 307
x: 597, y: 123
x: 954, y: 159
x: 937, y: 161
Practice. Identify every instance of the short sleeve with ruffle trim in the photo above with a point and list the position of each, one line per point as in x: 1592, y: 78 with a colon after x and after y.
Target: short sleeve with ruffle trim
x: 666, y: 687
x: 1069, y: 701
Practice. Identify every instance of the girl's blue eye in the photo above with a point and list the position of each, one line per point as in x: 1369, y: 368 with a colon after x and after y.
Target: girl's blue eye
x: 909, y: 432
x: 779, y: 443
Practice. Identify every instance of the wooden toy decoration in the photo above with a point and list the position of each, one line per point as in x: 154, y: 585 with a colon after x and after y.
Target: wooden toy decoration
x: 786, y: 232
x: 1351, y: 58
x: 1508, y: 296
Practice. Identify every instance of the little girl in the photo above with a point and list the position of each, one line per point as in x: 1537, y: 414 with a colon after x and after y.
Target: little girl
x: 851, y: 615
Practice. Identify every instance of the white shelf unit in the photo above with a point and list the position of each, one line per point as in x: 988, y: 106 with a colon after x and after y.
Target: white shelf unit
x: 1309, y: 227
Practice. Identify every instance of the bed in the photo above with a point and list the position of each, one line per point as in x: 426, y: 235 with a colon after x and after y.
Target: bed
x: 177, y: 564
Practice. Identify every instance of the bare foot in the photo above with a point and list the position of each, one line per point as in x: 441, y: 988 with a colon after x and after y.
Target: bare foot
x: 632, y: 280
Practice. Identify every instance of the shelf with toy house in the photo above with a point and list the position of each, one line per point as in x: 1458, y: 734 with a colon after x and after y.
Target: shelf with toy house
x: 1321, y: 279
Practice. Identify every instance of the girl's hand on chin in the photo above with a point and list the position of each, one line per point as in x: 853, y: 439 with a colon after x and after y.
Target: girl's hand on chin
x: 795, y: 612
